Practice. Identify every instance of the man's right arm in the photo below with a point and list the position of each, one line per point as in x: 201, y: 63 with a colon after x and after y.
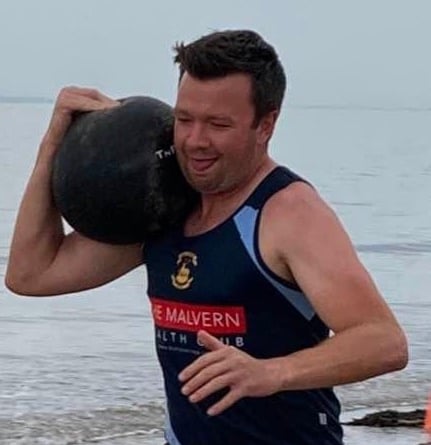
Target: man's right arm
x: 43, y: 260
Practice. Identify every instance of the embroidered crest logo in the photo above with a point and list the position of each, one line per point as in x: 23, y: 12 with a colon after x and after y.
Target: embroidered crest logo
x: 182, y: 279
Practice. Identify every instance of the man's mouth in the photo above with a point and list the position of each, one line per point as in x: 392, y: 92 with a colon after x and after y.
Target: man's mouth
x: 200, y: 165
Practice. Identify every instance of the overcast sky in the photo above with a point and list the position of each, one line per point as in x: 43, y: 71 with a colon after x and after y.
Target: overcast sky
x: 361, y: 52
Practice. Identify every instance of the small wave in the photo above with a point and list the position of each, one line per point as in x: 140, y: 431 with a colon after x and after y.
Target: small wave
x: 3, y: 259
x: 25, y: 100
x: 70, y: 316
x: 355, y: 107
x: 80, y: 427
x: 352, y: 204
x: 398, y: 248
x: 154, y: 431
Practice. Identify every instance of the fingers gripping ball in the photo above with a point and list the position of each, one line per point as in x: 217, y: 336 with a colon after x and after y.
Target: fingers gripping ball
x: 116, y: 178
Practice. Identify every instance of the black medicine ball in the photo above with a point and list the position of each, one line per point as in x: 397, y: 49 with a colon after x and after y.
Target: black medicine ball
x: 116, y: 178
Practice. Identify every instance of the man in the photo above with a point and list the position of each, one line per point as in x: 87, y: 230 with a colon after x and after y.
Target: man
x: 245, y: 295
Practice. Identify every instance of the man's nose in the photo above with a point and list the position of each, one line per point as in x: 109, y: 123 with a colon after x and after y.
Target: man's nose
x: 198, y: 135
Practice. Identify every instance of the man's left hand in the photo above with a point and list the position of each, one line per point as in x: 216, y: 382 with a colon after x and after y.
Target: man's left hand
x: 226, y: 366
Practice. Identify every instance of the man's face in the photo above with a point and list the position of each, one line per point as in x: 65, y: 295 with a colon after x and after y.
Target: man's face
x: 216, y: 145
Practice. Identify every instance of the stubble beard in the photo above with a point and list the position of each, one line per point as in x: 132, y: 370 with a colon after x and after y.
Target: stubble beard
x: 214, y: 182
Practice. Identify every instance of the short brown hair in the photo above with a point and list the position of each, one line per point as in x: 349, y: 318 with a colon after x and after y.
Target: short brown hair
x: 237, y: 51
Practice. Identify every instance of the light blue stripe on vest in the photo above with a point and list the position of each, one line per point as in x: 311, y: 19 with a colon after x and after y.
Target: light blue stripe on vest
x: 245, y: 222
x: 169, y: 432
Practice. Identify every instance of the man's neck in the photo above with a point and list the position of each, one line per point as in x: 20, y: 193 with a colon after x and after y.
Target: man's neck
x: 215, y: 208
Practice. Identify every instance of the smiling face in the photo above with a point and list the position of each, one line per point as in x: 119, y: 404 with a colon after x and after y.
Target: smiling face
x: 217, y: 145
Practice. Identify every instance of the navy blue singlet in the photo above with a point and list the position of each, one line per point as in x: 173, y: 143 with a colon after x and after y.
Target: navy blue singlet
x: 217, y: 281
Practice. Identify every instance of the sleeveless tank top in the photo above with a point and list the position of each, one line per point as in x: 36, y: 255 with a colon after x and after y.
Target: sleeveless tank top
x: 218, y: 282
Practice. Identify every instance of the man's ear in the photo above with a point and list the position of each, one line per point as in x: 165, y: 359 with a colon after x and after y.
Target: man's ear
x: 266, y: 126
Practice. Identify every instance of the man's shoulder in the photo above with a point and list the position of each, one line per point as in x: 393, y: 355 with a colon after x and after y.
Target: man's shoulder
x: 296, y: 207
x: 297, y: 196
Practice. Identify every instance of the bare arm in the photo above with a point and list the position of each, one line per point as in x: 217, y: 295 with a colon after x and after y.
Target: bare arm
x: 367, y: 339
x: 42, y: 260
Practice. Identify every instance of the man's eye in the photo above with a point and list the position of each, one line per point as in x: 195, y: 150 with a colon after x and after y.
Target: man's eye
x: 220, y: 125
x: 183, y: 119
